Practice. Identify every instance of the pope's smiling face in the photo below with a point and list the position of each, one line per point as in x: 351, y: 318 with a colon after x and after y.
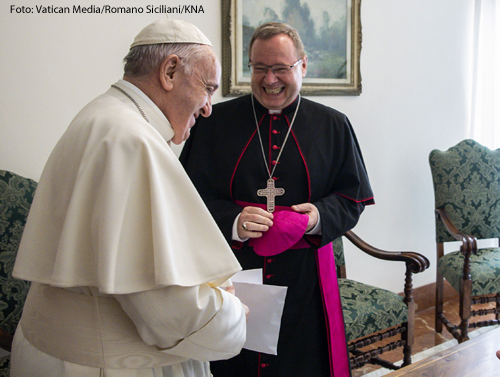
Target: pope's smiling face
x: 191, y: 95
x: 277, y: 92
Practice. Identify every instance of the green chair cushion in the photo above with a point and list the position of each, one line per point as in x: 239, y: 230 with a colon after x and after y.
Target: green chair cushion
x: 5, y: 366
x: 485, y: 270
x: 16, y: 195
x: 368, y: 309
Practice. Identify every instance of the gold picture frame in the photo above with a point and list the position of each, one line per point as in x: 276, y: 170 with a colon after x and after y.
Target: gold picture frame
x: 335, y: 73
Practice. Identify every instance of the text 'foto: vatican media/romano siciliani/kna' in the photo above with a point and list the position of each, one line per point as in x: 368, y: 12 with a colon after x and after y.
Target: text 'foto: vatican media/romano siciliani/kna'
x: 105, y: 9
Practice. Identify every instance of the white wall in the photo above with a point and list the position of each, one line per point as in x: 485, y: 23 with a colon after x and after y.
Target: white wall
x: 414, y: 64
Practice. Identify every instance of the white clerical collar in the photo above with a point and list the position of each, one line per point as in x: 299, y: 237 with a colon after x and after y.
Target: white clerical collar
x: 275, y: 111
x: 141, y: 94
x: 168, y: 133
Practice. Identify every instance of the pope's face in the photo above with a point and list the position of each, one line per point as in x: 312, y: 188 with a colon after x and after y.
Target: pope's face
x: 277, y: 92
x: 192, y: 97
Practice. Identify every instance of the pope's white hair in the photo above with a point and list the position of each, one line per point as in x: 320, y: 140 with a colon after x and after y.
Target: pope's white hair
x: 142, y: 61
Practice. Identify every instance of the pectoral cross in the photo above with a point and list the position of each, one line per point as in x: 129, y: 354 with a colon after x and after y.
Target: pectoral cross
x: 270, y: 192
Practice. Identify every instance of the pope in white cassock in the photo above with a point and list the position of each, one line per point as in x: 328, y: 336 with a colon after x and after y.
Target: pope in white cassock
x: 126, y: 262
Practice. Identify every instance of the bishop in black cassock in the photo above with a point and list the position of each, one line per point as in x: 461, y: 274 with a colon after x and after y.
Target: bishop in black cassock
x: 320, y: 163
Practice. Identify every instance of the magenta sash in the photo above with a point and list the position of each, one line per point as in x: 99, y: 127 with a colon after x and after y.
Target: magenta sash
x: 327, y: 273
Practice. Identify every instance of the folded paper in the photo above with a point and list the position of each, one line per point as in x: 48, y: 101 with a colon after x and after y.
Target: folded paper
x: 266, y: 304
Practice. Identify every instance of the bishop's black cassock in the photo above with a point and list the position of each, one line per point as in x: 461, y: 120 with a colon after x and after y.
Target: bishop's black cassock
x: 321, y: 163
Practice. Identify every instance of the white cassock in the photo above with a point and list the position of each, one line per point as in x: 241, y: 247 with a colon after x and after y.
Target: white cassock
x: 125, y: 259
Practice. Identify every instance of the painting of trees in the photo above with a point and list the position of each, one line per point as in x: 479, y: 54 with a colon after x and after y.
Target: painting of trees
x: 323, y: 33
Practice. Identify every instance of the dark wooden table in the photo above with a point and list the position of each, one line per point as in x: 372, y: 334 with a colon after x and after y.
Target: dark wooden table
x: 473, y: 358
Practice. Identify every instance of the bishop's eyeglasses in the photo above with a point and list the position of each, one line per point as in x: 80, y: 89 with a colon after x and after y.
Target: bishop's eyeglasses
x: 277, y: 69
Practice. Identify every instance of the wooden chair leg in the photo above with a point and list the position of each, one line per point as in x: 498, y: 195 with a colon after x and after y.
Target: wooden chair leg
x: 439, y: 293
x: 439, y: 302
x: 409, y: 334
x: 465, y: 309
x: 407, y: 350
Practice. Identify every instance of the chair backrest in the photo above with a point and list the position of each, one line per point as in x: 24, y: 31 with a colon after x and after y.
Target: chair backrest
x: 16, y: 196
x: 467, y: 185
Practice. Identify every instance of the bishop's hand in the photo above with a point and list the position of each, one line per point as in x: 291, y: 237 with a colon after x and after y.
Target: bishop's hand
x: 253, y: 221
x: 310, y: 210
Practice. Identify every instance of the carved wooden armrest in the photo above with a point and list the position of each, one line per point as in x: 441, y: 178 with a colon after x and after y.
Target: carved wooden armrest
x: 469, y: 242
x: 415, y: 261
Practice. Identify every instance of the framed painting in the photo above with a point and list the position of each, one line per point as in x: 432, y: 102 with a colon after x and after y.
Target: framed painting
x: 329, y: 29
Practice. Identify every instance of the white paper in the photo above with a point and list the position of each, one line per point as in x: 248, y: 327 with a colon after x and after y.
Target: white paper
x: 248, y: 276
x: 266, y: 304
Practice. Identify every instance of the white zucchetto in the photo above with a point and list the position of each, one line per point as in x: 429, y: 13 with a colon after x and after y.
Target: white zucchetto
x: 170, y: 31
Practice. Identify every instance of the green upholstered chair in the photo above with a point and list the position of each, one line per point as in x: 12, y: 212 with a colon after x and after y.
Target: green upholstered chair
x: 466, y: 181
x: 5, y: 366
x: 16, y: 195
x: 373, y: 315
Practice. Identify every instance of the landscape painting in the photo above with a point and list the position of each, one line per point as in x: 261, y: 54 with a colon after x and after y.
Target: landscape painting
x: 329, y: 29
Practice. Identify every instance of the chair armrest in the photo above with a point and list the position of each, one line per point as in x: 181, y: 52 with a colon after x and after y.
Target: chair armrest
x: 417, y: 262
x: 469, y: 242
x: 6, y: 340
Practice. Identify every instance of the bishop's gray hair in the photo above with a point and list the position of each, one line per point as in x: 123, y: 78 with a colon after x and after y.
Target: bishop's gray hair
x: 142, y: 61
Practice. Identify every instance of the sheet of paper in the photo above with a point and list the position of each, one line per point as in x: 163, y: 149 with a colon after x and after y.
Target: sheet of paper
x: 248, y: 276
x: 266, y: 304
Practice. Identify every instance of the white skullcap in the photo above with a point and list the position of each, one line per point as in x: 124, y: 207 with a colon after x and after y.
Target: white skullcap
x: 170, y: 31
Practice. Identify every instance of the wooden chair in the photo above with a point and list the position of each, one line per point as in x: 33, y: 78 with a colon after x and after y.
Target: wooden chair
x: 466, y: 181
x: 16, y: 195
x: 373, y: 315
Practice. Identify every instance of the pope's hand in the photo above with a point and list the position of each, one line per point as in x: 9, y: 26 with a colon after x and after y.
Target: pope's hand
x: 253, y: 221
x: 247, y: 310
x: 232, y: 290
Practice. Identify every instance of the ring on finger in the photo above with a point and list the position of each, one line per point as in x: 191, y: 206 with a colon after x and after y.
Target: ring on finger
x: 244, y: 226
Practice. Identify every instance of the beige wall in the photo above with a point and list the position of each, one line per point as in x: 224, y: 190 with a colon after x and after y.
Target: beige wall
x: 414, y: 63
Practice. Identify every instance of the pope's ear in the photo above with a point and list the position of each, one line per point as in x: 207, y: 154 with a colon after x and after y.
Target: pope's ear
x: 169, y: 69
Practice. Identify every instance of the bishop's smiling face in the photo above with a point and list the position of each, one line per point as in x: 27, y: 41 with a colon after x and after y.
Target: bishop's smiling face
x: 277, y: 92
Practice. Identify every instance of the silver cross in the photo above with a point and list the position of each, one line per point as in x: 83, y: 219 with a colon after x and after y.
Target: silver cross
x: 270, y: 192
